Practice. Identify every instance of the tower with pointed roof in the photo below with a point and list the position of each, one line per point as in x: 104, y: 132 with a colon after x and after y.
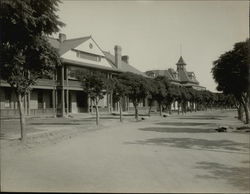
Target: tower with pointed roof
x: 181, y: 64
x: 180, y: 77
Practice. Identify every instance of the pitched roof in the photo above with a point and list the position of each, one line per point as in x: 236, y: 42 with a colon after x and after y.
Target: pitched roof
x: 78, y: 63
x: 183, y: 76
x: 67, y: 44
x: 125, y: 67
x: 181, y: 61
x: 167, y: 73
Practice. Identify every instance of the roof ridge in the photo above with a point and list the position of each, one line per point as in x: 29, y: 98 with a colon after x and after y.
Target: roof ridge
x: 77, y: 38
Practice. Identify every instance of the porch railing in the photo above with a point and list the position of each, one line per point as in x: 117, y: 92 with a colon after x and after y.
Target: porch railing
x: 14, y: 113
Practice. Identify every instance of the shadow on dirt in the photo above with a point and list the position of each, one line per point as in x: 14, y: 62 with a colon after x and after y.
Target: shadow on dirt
x: 178, y: 130
x: 236, y: 176
x: 182, y: 123
x: 55, y: 124
x: 201, y: 118
x: 200, y: 144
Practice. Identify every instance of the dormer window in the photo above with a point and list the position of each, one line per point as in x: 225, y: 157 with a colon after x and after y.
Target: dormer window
x: 88, y: 56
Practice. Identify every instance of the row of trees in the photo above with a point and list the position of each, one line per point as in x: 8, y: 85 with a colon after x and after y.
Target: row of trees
x: 157, y: 91
x: 232, y: 74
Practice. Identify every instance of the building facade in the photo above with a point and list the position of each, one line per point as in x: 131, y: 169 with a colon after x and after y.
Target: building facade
x: 63, y: 94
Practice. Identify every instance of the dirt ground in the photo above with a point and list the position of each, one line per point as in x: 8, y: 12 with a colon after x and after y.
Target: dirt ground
x: 180, y: 153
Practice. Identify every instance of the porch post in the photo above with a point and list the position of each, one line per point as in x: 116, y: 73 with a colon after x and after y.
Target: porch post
x: 62, y: 93
x: 67, y: 90
x: 56, y: 101
x: 28, y: 103
x: 67, y: 101
x: 53, y: 99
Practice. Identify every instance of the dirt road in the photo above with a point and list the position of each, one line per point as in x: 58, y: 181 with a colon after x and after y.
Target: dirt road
x: 175, y: 154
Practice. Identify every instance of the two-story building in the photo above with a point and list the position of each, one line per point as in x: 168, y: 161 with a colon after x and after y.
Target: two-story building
x: 63, y: 94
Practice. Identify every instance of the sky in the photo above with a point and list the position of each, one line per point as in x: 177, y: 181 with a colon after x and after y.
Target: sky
x: 155, y: 33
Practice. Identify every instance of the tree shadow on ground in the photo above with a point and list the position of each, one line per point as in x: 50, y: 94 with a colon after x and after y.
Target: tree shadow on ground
x: 55, y: 123
x: 182, y: 124
x: 198, y: 144
x: 201, y: 118
x: 178, y: 130
x: 236, y: 176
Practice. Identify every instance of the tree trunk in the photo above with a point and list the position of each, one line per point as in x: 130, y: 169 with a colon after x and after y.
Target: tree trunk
x: 245, y: 106
x: 160, y: 106
x: 97, y: 113
x: 22, y: 117
x: 136, y: 112
x: 149, y: 111
x: 240, y: 116
x: 120, y: 107
x: 178, y: 108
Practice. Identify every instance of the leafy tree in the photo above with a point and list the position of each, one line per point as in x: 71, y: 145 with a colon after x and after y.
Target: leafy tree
x: 192, y: 94
x: 96, y: 85
x: 160, y: 94
x: 231, y: 72
x: 151, y: 83
x: 26, y: 54
x: 172, y: 96
x: 183, y: 99
x: 137, y: 88
x: 119, y: 91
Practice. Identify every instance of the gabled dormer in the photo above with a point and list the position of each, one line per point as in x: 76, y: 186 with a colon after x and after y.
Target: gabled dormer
x: 83, y: 50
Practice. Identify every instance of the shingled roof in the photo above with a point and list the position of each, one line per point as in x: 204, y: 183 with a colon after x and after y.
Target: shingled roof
x: 170, y: 73
x: 125, y: 67
x: 184, y: 76
x: 68, y: 44
x: 181, y: 61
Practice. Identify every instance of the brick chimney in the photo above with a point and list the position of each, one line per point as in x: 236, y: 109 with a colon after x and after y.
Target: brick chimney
x: 62, y: 37
x: 118, y: 56
x: 125, y: 58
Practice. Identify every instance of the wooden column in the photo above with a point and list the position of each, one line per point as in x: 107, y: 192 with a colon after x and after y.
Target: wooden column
x: 67, y: 101
x: 67, y: 90
x: 28, y: 103
x: 62, y: 93
x: 108, y: 96
x: 54, y: 99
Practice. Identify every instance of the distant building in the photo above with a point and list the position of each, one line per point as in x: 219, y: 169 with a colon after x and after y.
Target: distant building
x: 179, y: 77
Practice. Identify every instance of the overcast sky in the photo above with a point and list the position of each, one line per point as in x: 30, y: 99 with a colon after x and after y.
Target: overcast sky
x: 151, y: 32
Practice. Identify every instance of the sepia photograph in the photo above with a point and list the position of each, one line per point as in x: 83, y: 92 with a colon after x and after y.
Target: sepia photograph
x: 124, y: 96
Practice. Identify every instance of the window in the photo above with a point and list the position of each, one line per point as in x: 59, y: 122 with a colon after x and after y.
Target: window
x: 88, y: 56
